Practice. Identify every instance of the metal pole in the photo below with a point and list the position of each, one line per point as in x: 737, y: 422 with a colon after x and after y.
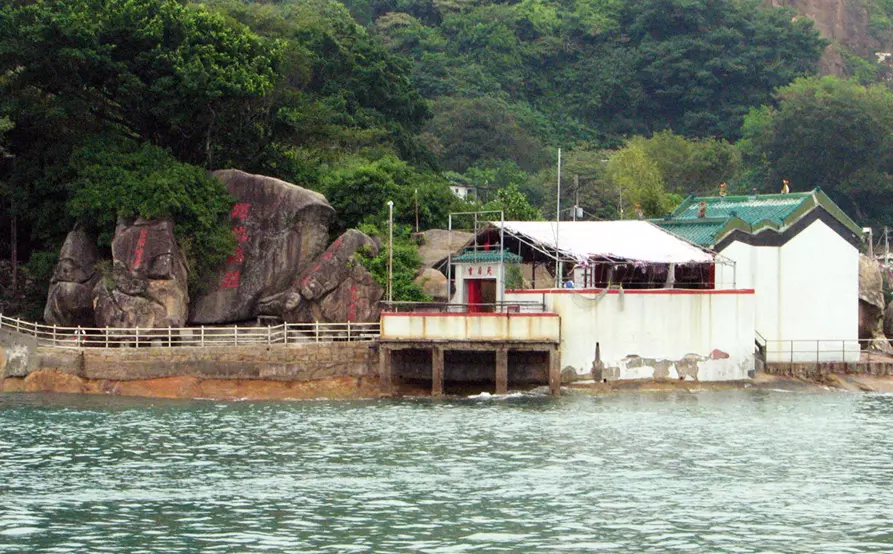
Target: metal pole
x: 557, y: 224
x: 390, y: 251
x: 450, y: 260
x: 502, y: 259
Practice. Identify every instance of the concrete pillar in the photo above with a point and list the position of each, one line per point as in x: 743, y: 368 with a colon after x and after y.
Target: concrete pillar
x: 502, y: 371
x: 554, y: 371
x: 384, y: 369
x: 437, y: 371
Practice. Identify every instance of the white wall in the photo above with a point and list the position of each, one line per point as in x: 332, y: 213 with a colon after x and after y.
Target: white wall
x: 806, y: 291
x: 470, y: 327
x: 647, y: 334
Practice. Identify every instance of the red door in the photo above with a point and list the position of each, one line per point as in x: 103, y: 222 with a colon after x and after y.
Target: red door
x: 473, y: 294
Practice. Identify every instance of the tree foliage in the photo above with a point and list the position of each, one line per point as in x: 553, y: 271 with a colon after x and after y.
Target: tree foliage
x: 829, y: 133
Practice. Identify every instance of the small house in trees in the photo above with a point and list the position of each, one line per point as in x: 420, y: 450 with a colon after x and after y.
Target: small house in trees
x: 799, y: 252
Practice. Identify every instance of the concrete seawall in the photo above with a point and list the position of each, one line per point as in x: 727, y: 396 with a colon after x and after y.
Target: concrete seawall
x: 313, y: 370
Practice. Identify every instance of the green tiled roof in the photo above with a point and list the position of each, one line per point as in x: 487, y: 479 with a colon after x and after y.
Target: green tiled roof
x: 752, y: 209
x: 751, y: 214
x: 700, y: 232
x: 486, y: 257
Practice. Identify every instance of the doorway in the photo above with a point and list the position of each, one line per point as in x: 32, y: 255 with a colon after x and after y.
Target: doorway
x: 480, y: 294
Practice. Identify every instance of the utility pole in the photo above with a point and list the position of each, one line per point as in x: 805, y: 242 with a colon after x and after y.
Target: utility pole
x: 576, y: 194
x: 416, y: 195
x: 886, y: 245
x: 390, y: 252
x: 557, y: 224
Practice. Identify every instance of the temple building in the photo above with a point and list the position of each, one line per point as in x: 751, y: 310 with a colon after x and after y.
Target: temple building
x: 800, y: 254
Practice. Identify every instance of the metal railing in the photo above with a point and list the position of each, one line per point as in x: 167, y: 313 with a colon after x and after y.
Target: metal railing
x: 821, y: 351
x: 175, y: 337
x: 452, y: 308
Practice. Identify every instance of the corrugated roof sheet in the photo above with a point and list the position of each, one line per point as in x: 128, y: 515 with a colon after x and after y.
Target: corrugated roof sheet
x: 620, y: 240
x: 486, y: 257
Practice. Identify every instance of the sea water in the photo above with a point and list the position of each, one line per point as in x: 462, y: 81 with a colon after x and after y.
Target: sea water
x: 729, y: 471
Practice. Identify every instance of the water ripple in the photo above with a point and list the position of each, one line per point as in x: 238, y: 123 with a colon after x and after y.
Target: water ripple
x: 731, y: 471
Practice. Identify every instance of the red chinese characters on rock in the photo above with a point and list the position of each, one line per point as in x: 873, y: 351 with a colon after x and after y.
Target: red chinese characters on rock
x: 240, y: 211
x: 231, y: 279
x: 138, y: 251
x: 238, y: 256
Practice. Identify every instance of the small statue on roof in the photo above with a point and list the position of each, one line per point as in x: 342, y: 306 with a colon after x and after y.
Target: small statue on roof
x: 722, y: 189
x: 785, y: 186
x: 702, y: 208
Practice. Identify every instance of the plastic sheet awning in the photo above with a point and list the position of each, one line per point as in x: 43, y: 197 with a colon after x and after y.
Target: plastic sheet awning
x: 632, y: 241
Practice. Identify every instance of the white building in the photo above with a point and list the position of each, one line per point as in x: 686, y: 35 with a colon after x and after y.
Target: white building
x: 643, y: 303
x: 799, y: 252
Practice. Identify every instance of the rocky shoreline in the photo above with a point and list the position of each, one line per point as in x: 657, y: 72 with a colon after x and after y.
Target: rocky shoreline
x: 354, y: 388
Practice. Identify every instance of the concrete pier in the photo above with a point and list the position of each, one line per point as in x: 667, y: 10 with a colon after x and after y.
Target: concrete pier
x: 542, y: 359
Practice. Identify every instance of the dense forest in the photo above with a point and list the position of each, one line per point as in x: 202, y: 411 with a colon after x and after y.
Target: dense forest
x: 115, y: 108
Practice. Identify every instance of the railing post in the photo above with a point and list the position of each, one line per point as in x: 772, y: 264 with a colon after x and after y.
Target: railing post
x: 107, y: 336
x: 202, y: 336
x: 54, y: 334
x: 316, y: 327
x: 348, y: 331
x: 170, y: 337
x: 236, y: 335
x: 269, y: 335
x: 137, y: 337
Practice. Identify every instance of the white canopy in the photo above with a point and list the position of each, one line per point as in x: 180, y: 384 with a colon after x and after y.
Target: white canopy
x: 620, y: 240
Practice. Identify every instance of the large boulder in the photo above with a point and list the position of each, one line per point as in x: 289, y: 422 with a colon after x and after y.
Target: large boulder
x: 336, y: 288
x: 280, y: 228
x: 433, y: 283
x: 149, y: 280
x: 871, y: 305
x: 436, y: 244
x: 70, y: 298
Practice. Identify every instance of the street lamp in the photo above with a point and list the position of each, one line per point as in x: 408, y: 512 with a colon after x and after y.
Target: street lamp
x: 390, y: 252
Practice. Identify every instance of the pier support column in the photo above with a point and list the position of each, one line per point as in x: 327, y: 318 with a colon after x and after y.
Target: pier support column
x: 384, y: 370
x: 554, y: 371
x: 502, y: 371
x: 437, y: 371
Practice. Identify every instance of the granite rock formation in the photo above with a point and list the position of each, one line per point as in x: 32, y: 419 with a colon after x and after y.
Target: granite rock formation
x: 70, y: 298
x: 436, y: 244
x: 844, y: 23
x: 433, y: 283
x: 149, y: 279
x: 335, y: 288
x: 871, y: 304
x: 280, y: 228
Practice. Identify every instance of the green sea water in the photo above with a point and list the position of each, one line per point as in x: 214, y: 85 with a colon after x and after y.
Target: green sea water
x: 718, y: 471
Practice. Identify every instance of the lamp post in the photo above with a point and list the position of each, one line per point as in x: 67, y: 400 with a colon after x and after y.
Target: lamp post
x: 390, y: 251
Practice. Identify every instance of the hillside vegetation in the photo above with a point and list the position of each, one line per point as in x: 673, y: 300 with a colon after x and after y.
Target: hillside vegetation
x: 115, y: 108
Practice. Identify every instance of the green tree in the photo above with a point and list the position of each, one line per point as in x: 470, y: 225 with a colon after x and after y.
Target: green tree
x: 406, y: 263
x: 122, y: 180
x: 691, y: 166
x: 638, y: 177
x: 829, y: 133
x: 514, y: 205
x: 361, y: 190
